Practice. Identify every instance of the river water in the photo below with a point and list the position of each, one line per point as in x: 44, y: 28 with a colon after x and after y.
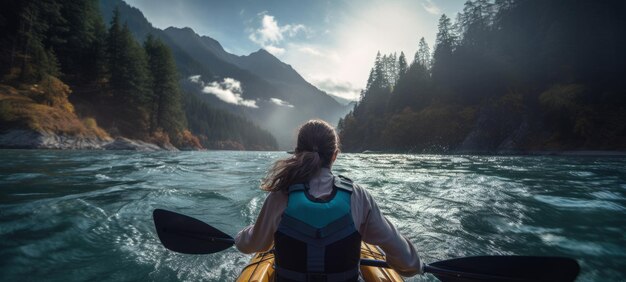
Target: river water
x: 86, y: 215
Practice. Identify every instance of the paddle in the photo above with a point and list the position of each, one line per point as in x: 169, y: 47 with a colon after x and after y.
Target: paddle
x: 184, y: 234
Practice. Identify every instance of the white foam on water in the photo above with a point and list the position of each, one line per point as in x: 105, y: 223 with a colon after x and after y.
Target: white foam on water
x: 564, y: 202
x: 102, y: 177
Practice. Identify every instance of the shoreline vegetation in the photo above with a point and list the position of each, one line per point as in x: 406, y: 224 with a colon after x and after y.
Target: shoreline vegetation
x: 505, y: 76
x: 40, y: 116
x: 69, y: 81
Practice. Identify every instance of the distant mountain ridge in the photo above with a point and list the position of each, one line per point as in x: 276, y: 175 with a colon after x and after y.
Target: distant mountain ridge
x: 263, y: 77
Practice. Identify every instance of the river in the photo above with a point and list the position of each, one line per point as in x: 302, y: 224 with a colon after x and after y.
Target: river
x: 86, y: 215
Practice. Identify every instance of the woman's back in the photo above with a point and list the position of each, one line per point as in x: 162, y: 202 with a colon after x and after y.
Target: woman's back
x: 317, y: 220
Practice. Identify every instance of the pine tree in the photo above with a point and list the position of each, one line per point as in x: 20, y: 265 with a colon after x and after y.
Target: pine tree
x: 422, y: 56
x: 129, y: 81
x: 402, y: 65
x: 474, y: 22
x: 166, y: 107
x: 380, y: 79
x: 32, y: 56
x: 445, y: 43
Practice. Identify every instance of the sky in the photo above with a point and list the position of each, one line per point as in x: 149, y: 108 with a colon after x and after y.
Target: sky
x: 331, y: 43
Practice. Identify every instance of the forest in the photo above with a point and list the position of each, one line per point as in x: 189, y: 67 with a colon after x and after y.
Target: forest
x: 504, y: 76
x: 63, y: 70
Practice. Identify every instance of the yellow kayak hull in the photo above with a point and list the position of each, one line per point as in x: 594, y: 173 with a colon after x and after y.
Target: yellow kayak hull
x: 261, y: 267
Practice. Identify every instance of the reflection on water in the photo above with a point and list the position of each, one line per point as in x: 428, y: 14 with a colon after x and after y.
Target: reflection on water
x: 83, y: 215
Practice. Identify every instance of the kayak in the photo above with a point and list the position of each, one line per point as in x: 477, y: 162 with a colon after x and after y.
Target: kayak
x: 261, y: 267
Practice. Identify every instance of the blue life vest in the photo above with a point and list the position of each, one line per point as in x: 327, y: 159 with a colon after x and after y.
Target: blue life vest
x: 316, y: 239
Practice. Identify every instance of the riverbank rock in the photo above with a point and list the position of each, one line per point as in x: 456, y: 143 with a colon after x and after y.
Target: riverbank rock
x: 122, y: 143
x: 30, y: 139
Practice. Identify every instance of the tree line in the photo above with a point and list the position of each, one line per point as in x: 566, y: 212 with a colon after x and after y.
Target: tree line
x: 505, y: 75
x: 131, y: 89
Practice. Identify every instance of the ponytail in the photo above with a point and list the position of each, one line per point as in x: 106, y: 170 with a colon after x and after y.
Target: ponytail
x: 317, y: 144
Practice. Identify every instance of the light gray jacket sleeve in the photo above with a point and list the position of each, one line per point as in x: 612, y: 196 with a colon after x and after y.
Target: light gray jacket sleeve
x: 377, y: 230
x: 259, y: 237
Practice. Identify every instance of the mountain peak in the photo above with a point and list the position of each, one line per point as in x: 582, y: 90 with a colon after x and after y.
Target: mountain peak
x: 262, y: 56
x: 261, y: 52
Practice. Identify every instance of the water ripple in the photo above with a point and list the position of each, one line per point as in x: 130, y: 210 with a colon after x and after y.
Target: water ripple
x: 86, y: 215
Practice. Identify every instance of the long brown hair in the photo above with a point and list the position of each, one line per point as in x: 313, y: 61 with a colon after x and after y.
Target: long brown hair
x: 317, y: 144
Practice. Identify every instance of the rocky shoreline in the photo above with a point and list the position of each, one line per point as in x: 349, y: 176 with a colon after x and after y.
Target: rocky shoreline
x: 30, y: 139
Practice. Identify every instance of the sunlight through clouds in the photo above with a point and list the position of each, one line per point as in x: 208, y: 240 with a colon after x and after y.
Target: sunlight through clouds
x: 342, y: 66
x: 340, y: 88
x: 271, y: 34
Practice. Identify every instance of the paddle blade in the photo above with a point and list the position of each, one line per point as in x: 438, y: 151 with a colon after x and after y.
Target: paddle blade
x: 187, y: 235
x: 505, y: 268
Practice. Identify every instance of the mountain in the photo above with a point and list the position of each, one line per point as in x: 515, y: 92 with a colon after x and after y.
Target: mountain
x: 283, y: 99
x: 301, y: 92
x: 342, y: 101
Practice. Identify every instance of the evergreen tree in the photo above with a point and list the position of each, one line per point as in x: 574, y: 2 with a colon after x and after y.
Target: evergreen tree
x: 29, y: 30
x: 402, y: 65
x: 166, y: 108
x: 215, y: 128
x: 422, y: 56
x: 129, y: 81
x: 474, y: 23
x: 380, y: 77
x: 80, y: 31
x: 444, y: 46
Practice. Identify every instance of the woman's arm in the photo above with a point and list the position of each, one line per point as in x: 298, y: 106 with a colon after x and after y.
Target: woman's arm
x: 377, y: 230
x: 260, y: 236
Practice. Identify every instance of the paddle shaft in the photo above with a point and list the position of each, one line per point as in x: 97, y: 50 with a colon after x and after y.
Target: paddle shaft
x: 446, y: 272
x: 363, y: 262
x: 184, y: 234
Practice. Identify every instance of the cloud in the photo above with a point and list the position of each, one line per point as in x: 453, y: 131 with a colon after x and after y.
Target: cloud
x: 270, y: 34
x: 311, y: 51
x: 228, y: 90
x: 431, y: 8
x: 281, y: 102
x: 343, y: 89
x: 195, y: 79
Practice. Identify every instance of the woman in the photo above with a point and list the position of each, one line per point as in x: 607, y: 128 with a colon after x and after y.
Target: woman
x: 316, y: 220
